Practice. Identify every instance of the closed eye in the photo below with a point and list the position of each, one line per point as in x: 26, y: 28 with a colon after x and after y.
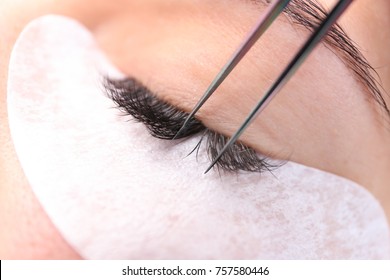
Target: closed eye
x: 164, y: 120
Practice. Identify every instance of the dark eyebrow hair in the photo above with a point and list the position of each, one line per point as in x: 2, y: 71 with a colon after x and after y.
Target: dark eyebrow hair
x: 309, y: 14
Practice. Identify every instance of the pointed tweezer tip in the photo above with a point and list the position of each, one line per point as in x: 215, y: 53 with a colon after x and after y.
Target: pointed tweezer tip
x: 181, y: 130
x: 179, y: 133
x: 220, y: 154
x: 213, y: 164
x: 209, y: 168
x: 184, y: 126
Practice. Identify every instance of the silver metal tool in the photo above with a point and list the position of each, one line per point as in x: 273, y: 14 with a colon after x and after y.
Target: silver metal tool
x: 261, y: 26
x: 289, y: 71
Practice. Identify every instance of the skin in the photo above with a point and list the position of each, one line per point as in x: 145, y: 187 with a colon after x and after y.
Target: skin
x: 341, y: 130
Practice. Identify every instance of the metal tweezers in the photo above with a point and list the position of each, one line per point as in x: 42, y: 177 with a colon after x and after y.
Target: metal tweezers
x: 274, y: 10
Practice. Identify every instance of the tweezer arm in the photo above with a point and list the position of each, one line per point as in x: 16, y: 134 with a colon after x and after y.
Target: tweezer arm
x: 286, y: 75
x: 261, y: 26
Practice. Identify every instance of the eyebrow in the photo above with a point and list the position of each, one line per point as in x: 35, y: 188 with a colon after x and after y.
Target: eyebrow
x: 309, y: 14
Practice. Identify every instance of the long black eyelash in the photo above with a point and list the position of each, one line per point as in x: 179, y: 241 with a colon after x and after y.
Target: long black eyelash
x: 237, y: 155
x: 164, y: 120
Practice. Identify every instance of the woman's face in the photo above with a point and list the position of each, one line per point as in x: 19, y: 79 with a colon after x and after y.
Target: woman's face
x: 325, y: 118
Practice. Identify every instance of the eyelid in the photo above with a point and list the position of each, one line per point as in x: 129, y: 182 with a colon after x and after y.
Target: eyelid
x: 164, y: 120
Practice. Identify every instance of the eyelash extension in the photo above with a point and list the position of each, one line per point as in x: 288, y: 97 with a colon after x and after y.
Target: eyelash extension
x: 164, y: 120
x: 237, y: 157
x: 161, y: 119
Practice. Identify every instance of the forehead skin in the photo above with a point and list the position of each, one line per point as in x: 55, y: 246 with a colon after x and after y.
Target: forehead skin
x: 191, y: 40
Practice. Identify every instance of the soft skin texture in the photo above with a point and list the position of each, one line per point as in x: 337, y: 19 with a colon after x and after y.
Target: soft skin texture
x: 347, y: 136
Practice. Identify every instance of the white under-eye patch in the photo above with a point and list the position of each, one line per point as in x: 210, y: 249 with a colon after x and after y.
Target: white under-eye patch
x: 113, y: 191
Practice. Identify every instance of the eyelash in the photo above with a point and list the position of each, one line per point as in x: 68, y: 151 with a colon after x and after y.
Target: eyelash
x: 164, y: 120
